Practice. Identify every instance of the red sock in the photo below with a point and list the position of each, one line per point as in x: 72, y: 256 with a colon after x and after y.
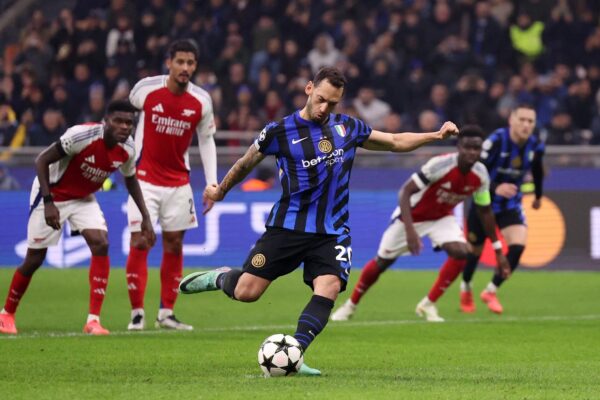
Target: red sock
x: 17, y: 289
x: 448, y: 273
x: 369, y: 275
x: 136, y: 271
x: 99, y: 270
x: 171, y: 269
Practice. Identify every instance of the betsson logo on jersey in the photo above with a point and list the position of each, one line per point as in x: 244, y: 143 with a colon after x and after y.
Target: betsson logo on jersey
x: 170, y: 126
x: 336, y: 156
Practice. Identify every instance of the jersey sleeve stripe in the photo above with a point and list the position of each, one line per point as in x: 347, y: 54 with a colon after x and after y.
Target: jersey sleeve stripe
x: 420, y: 179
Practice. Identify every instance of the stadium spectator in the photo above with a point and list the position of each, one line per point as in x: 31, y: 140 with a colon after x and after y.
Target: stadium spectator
x: 48, y: 131
x: 371, y: 109
x: 399, y: 51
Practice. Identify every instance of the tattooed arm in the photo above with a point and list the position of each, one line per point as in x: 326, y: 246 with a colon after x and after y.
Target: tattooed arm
x: 236, y: 174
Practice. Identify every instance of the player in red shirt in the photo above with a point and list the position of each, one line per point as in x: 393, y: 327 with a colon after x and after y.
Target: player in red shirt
x: 68, y: 174
x: 172, y: 110
x: 427, y: 201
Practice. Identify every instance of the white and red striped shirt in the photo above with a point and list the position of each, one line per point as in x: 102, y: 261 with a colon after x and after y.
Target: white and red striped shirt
x: 165, y: 128
x: 442, y: 186
x: 88, y: 162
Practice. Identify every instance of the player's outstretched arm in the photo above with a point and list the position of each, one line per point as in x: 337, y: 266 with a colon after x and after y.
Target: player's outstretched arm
x: 133, y: 187
x: 208, y: 153
x: 236, y: 174
x: 407, y: 141
x: 51, y: 154
x: 489, y: 226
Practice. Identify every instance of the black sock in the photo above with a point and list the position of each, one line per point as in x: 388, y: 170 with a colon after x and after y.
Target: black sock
x: 227, y: 281
x: 470, y: 267
x: 513, y: 256
x: 313, y: 319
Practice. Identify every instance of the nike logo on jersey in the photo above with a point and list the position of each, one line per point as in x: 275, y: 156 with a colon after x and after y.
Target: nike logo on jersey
x: 158, y: 108
x: 90, y: 159
x: 296, y: 141
x: 187, y: 112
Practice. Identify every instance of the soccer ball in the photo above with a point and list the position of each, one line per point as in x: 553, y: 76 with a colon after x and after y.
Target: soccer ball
x: 280, y: 355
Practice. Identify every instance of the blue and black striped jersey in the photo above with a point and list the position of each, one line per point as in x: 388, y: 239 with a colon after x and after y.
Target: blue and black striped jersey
x: 314, y: 164
x: 507, y: 162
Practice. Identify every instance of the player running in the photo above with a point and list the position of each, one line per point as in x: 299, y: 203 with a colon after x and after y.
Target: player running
x: 68, y: 173
x: 427, y: 201
x: 172, y: 110
x: 315, y: 150
x: 509, y: 154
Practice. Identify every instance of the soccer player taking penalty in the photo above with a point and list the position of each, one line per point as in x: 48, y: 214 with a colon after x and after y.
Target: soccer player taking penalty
x: 426, y: 206
x: 315, y: 149
x: 68, y: 173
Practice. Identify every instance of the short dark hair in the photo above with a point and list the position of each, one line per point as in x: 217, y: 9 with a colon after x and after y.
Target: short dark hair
x: 469, y: 131
x: 120, y: 105
x: 527, y: 106
x: 183, y: 45
x: 333, y: 75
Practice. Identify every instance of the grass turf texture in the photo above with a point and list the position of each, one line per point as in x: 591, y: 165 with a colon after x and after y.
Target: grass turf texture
x: 545, y: 346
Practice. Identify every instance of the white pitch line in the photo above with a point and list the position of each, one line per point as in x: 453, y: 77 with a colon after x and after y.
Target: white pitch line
x: 331, y: 325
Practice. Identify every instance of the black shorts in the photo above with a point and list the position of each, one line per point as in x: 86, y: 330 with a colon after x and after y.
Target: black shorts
x: 476, y: 234
x: 280, y: 251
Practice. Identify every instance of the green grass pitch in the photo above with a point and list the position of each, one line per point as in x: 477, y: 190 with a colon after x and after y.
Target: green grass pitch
x: 545, y: 346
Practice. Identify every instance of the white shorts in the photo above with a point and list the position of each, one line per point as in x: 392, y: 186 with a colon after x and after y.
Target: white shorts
x: 173, y: 207
x: 444, y: 230
x: 81, y: 213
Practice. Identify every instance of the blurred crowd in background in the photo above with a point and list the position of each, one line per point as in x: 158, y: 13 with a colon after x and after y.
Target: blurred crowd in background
x: 411, y: 64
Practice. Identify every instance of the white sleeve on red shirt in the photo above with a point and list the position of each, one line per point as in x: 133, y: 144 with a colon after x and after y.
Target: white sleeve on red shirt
x: 128, y: 167
x: 140, y: 91
x: 481, y: 171
x: 205, y: 129
x: 78, y: 137
x: 434, y: 169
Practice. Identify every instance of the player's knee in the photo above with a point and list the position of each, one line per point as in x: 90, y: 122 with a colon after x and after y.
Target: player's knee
x: 384, y: 263
x: 459, y: 252
x: 99, y: 245
x: 246, y: 294
x: 139, y: 241
x: 173, y: 245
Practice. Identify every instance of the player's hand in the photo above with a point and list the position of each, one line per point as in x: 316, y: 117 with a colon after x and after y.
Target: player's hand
x: 207, y: 203
x: 507, y: 190
x: 148, y: 231
x: 213, y: 193
x: 52, y: 216
x: 447, y: 130
x: 537, y: 203
x: 414, y: 242
x: 503, y: 265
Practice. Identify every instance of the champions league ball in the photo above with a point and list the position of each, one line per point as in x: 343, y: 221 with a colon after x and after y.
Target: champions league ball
x: 280, y: 355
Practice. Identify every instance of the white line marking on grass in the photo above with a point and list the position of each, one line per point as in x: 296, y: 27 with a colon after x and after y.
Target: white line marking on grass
x: 331, y: 325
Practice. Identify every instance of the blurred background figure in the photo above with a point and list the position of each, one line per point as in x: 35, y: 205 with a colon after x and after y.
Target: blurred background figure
x: 264, y: 179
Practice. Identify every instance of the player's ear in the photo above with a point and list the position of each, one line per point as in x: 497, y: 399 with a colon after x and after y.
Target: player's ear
x: 309, y: 88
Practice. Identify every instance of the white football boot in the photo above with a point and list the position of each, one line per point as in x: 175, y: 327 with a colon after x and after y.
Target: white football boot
x: 345, y: 312
x: 427, y: 309
x: 138, y: 322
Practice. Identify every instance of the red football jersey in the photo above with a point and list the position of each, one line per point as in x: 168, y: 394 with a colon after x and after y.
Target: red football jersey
x: 165, y: 128
x: 442, y: 186
x: 88, y: 162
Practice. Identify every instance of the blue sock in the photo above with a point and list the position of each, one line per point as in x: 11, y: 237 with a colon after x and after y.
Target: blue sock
x: 313, y: 320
